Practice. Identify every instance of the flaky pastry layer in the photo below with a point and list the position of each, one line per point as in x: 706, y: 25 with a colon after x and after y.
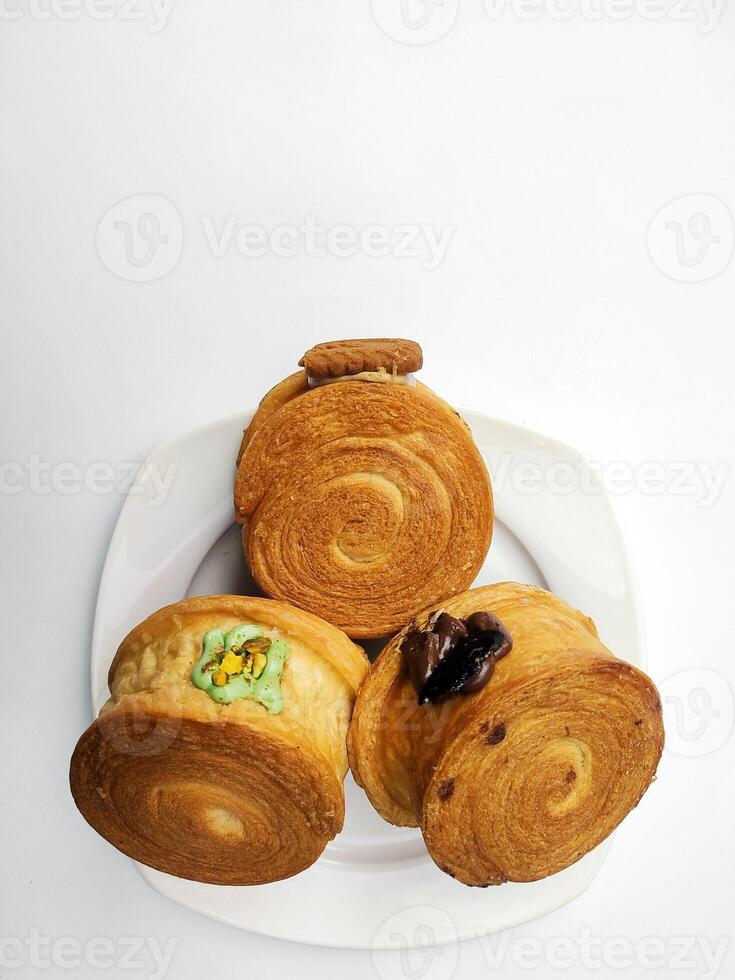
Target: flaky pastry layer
x: 525, y: 776
x: 361, y: 502
x: 220, y: 793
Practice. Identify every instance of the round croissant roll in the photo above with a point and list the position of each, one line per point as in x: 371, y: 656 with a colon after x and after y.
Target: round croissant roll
x: 531, y: 744
x: 363, y: 496
x: 220, y: 755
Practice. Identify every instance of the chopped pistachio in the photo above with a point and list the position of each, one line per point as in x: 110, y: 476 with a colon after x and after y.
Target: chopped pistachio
x: 259, y: 662
x: 220, y: 678
x: 261, y: 644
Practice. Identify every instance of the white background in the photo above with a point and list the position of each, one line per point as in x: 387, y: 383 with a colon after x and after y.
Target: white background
x: 548, y: 147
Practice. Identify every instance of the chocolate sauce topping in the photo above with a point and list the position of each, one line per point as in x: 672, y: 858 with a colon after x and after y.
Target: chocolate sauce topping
x: 453, y: 656
x: 421, y: 653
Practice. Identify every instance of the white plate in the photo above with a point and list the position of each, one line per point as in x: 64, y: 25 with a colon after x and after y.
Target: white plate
x: 375, y: 886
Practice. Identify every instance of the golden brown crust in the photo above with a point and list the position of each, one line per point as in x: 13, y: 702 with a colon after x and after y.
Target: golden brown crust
x: 364, y: 503
x: 291, y: 387
x: 525, y: 776
x: 226, y: 794
x: 341, y: 357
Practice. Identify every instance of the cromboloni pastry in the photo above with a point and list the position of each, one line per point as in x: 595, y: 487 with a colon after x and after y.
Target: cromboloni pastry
x: 499, y: 724
x: 220, y: 754
x: 362, y: 494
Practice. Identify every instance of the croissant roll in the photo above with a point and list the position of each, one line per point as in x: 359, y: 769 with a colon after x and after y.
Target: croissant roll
x: 518, y: 773
x: 361, y: 502
x: 220, y: 754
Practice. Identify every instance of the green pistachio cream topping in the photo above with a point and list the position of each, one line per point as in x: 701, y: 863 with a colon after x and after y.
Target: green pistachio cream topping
x: 242, y: 664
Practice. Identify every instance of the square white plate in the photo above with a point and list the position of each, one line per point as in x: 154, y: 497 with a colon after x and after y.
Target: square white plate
x: 375, y: 886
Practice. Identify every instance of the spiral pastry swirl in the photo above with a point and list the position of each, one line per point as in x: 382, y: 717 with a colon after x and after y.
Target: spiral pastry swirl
x: 525, y: 776
x: 361, y: 502
x: 220, y: 793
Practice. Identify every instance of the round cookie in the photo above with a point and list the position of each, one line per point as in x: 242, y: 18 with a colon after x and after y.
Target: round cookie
x: 343, y: 357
